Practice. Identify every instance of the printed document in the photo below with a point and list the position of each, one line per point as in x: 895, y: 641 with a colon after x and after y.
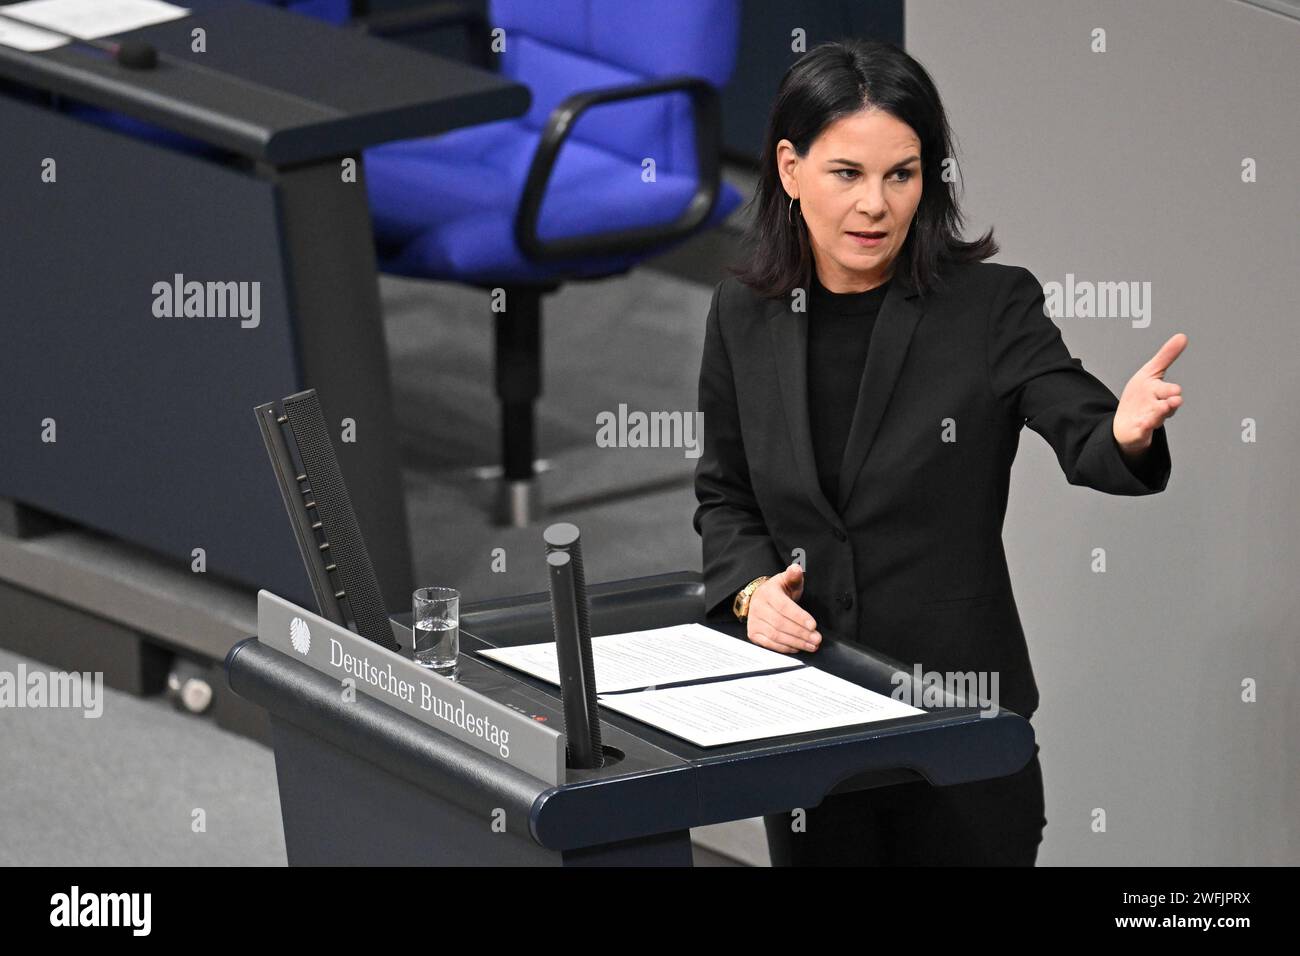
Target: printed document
x: 640, y: 659
x: 91, y: 19
x: 751, y: 708
x: 28, y: 39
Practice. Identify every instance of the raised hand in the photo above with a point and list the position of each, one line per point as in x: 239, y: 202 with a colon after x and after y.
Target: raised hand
x: 1148, y: 399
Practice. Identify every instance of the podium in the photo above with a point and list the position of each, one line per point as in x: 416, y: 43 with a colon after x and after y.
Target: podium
x: 363, y: 783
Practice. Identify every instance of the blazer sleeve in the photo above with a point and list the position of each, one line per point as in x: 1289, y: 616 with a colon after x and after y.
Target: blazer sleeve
x: 1030, y: 366
x: 736, y: 545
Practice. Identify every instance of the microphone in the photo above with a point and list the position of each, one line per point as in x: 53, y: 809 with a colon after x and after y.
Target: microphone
x: 570, y: 620
x: 581, y: 715
x: 324, y: 524
x: 135, y: 55
x: 565, y: 537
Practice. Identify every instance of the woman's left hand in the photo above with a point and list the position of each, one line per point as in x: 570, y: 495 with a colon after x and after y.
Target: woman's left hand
x: 1148, y: 399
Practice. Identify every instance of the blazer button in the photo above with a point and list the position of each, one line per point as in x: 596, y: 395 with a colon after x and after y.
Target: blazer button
x: 846, y: 600
x: 839, y: 535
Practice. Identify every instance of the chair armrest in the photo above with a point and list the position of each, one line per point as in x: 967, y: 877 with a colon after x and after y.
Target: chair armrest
x: 430, y: 17
x: 707, y: 115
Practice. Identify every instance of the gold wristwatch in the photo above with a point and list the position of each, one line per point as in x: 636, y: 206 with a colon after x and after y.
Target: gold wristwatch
x: 741, y: 605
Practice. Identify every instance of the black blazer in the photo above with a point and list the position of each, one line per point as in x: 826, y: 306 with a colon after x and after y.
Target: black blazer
x: 909, y: 561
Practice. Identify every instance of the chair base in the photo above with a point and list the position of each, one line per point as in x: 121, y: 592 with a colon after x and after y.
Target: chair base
x: 518, y: 500
x: 518, y: 503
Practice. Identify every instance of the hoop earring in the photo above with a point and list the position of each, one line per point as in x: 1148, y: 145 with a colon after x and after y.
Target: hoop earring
x: 789, y: 209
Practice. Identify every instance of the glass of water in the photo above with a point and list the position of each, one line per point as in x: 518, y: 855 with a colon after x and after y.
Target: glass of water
x: 435, y: 624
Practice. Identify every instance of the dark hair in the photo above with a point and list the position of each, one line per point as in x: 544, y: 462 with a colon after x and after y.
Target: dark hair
x: 833, y: 80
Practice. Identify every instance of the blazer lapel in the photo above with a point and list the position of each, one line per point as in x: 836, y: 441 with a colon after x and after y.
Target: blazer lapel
x: 897, y: 321
x: 789, y: 332
x: 899, y: 315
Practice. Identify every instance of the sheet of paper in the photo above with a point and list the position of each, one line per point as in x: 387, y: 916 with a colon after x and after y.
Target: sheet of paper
x: 751, y: 708
x: 27, y: 38
x: 91, y: 19
x: 639, y: 659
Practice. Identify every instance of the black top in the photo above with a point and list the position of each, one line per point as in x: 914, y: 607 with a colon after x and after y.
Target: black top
x: 839, y: 334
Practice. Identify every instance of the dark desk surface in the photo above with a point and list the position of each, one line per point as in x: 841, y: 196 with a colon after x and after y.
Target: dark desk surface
x: 275, y: 86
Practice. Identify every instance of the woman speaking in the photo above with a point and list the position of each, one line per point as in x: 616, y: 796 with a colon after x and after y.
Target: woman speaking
x: 864, y: 382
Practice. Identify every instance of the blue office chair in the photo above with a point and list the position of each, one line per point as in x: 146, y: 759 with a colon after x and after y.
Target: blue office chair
x: 559, y: 194
x: 620, y: 91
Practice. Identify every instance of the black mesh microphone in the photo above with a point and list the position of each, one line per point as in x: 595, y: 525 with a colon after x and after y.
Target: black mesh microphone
x: 325, y: 526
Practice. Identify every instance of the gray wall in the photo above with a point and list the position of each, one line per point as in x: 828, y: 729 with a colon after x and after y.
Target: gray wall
x: 1125, y: 165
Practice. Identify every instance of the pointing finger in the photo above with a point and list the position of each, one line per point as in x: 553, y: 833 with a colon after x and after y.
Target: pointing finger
x: 1164, y: 358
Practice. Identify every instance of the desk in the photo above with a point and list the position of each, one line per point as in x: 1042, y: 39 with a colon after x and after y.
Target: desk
x: 153, y: 418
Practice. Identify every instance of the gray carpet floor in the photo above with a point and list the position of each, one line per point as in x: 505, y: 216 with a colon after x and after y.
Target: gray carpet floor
x: 633, y: 341
x: 140, y: 785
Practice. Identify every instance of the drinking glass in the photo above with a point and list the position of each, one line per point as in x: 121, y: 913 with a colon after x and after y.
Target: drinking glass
x: 435, y: 624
